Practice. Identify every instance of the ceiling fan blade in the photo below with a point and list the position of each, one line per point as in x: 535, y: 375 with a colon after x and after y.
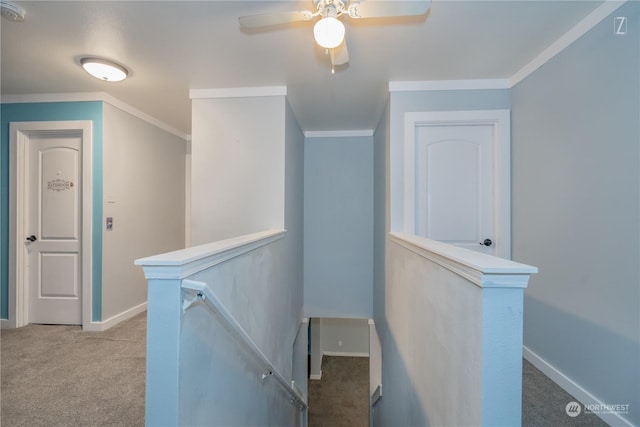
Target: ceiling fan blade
x: 340, y: 54
x: 387, y: 8
x: 269, y: 19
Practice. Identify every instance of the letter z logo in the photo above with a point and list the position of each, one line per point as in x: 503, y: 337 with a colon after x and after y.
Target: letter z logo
x: 620, y: 25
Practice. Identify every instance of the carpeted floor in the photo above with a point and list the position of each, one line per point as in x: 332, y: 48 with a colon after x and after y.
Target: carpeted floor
x: 61, y: 376
x: 341, y: 397
x: 54, y: 375
x: 544, y: 403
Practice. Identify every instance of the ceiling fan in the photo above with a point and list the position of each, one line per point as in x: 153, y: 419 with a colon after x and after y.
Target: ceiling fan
x: 329, y: 31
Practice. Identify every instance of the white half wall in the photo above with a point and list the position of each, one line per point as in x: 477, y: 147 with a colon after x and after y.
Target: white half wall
x: 452, y: 352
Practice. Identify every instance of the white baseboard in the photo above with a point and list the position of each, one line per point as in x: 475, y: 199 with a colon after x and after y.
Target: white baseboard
x: 114, y: 320
x: 376, y: 395
x: 316, y: 376
x: 572, y: 387
x: 344, y: 354
x: 5, y: 324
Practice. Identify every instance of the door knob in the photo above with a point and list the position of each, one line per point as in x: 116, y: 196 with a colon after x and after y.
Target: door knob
x: 32, y: 238
x: 487, y: 242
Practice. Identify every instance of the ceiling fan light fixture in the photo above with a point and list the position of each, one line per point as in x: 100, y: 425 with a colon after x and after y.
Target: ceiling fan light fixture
x: 329, y: 32
x: 11, y: 11
x: 103, y: 69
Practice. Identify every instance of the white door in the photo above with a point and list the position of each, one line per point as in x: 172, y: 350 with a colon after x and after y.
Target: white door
x: 454, y: 187
x: 54, y: 228
x: 457, y: 178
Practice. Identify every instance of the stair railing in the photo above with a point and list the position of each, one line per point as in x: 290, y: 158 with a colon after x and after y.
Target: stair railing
x: 200, y: 292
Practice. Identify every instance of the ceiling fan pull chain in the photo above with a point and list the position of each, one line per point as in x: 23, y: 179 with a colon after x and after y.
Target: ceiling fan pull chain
x: 333, y: 68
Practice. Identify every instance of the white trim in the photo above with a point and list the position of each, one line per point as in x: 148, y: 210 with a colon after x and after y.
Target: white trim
x: 187, y: 198
x: 435, y: 85
x: 371, y: 322
x: 94, y: 96
x: 572, y: 387
x: 114, y: 320
x: 316, y: 376
x: 344, y: 354
x: 187, y: 262
x: 590, y: 21
x: 484, y: 270
x: 19, y: 133
x: 337, y: 133
x: 501, y: 122
x: 577, y: 31
x: 376, y: 395
x: 238, y: 92
x: 5, y: 324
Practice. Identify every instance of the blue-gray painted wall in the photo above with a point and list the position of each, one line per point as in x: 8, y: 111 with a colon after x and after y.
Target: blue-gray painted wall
x: 54, y: 111
x: 575, y: 201
x: 338, y: 227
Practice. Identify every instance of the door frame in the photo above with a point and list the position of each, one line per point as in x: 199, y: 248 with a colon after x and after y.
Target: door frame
x: 501, y: 122
x: 19, y: 134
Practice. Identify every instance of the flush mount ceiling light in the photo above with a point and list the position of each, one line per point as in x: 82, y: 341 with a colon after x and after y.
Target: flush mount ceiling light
x: 11, y: 11
x: 103, y: 69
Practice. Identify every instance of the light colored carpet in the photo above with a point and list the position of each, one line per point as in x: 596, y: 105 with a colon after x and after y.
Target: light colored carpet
x: 341, y: 397
x: 61, y: 376
x: 54, y: 375
x: 544, y: 403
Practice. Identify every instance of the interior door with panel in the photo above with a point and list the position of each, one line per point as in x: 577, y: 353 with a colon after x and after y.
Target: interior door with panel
x: 454, y: 185
x: 457, y: 179
x: 54, y: 228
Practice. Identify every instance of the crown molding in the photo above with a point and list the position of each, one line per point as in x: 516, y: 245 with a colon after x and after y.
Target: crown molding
x: 435, y: 85
x: 337, y: 133
x: 93, y: 96
x: 581, y: 28
x: 577, y: 31
x: 238, y: 92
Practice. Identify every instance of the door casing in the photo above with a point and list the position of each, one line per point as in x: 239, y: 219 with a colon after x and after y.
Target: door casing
x: 20, y: 133
x: 501, y: 121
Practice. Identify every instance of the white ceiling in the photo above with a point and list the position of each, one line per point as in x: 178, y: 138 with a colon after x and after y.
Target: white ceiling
x: 174, y: 46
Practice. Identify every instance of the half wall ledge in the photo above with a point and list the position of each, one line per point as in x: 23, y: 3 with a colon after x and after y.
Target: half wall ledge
x: 484, y: 270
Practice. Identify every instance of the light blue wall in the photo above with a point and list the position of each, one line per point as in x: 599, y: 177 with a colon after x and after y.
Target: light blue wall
x: 338, y: 227
x: 55, y: 111
x: 575, y: 195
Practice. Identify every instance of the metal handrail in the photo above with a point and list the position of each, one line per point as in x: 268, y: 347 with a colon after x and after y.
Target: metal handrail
x: 202, y: 293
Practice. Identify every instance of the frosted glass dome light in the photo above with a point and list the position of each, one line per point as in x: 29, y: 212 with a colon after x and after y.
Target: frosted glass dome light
x: 104, y: 70
x: 329, y: 32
